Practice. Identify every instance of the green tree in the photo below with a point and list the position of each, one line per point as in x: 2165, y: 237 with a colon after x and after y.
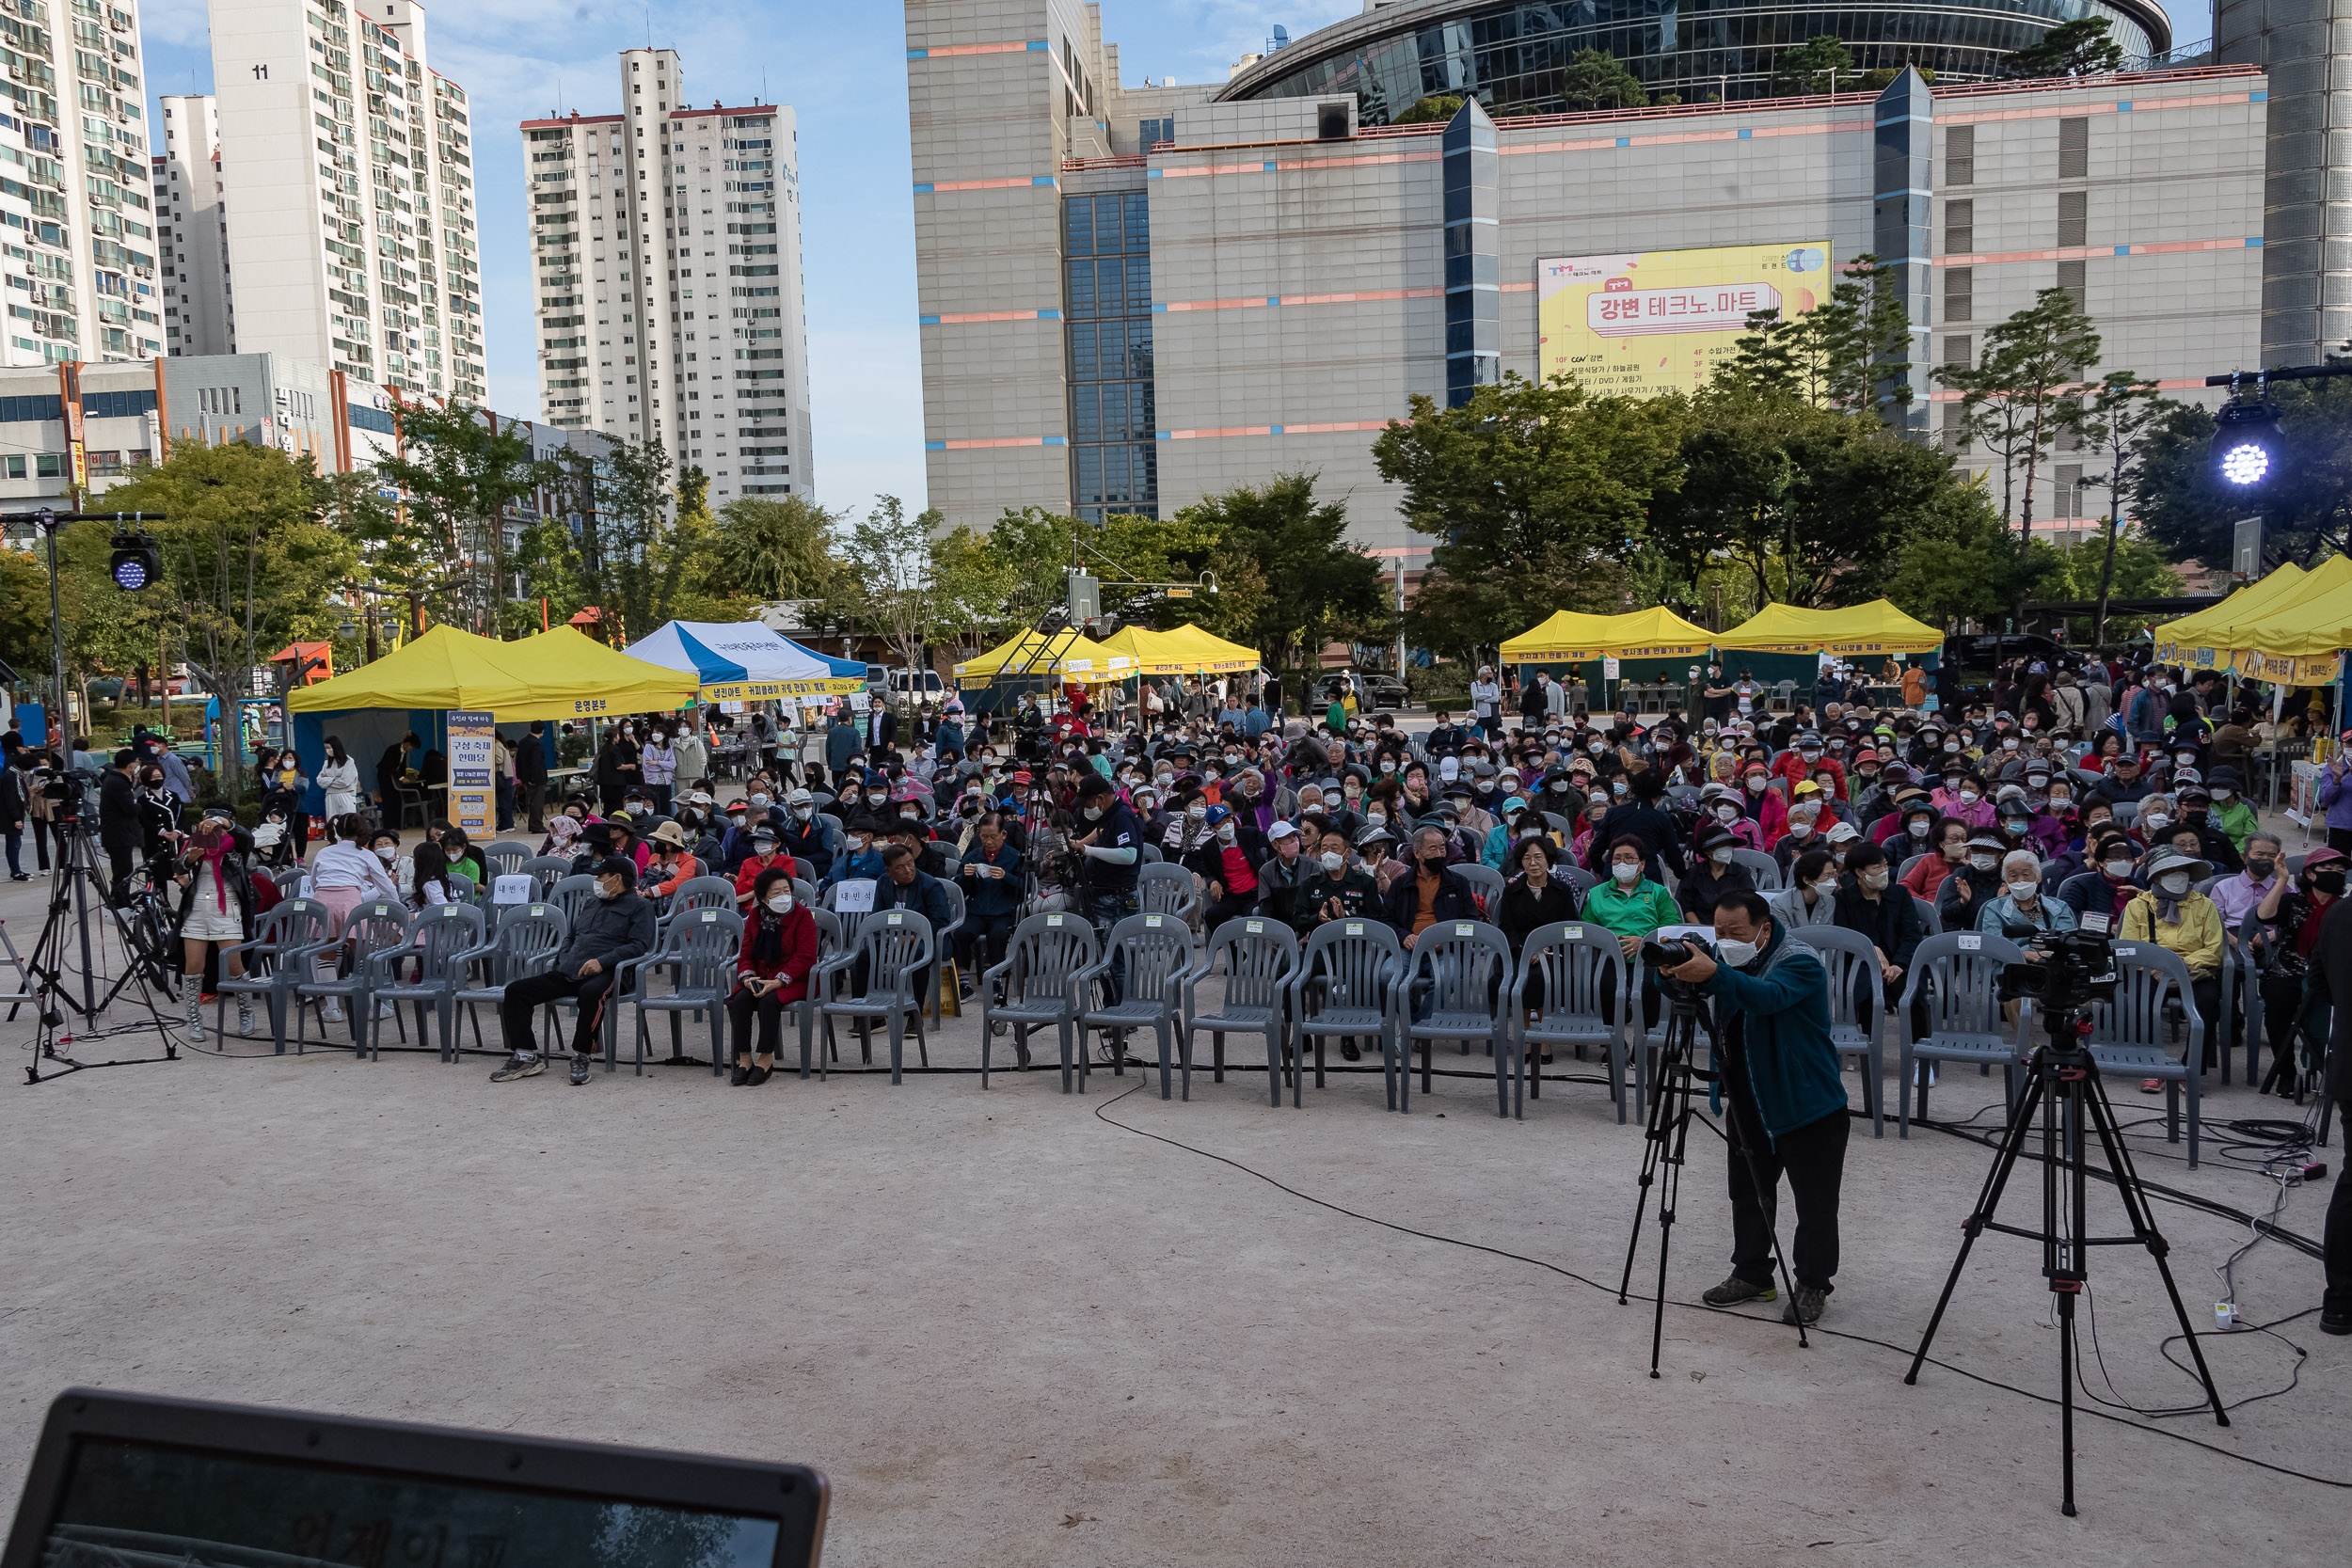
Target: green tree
x: 1037, y: 548
x: 2306, y: 502
x: 1962, y: 562
x: 1884, y: 77
x: 24, y: 614
x: 1594, y: 79
x: 2118, y: 419
x: 1821, y: 63
x: 2022, y: 393
x: 1540, y: 491
x: 1436, y: 108
x: 637, y: 541
x: 1813, y: 502
x: 1289, y: 554
x: 886, y: 581
x: 1852, y: 350
x: 769, y: 550
x: 2076, y: 48
x: 461, y: 470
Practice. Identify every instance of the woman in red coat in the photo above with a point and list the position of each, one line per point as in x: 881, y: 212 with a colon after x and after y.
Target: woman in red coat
x: 770, y: 972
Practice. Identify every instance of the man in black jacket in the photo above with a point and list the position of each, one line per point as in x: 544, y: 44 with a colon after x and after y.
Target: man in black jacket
x: 2331, y: 972
x: 1644, y: 818
x: 1433, y: 892
x: 531, y: 772
x: 618, y: 927
x: 121, y: 825
x: 1879, y: 909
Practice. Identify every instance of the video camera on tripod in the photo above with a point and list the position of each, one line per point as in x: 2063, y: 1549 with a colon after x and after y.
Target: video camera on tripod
x: 1675, y: 952
x: 2077, y: 968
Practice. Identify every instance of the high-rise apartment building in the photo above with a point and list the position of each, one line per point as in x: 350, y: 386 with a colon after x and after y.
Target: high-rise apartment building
x: 192, y: 226
x: 77, y: 237
x: 666, y: 265
x: 347, y: 171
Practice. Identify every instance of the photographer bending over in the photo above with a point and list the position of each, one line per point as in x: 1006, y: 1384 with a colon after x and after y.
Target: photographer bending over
x: 1785, y: 1105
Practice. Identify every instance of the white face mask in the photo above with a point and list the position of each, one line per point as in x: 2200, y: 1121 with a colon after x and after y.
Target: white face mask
x: 2173, y: 882
x: 1983, y: 863
x: 759, y: 802
x: 804, y: 812
x: 1826, y: 887
x: 2222, y: 793
x: 1721, y: 857
x: 386, y: 856
x: 1917, y: 828
x: 1624, y: 873
x: 1197, y: 813
x: 1726, y: 813
x: 2155, y: 821
x: 1732, y: 952
x: 1967, y: 797
x: 1874, y: 881
x: 1224, y: 833
x: 2023, y: 892
x: 1332, y: 864
x: 2120, y: 870
x: 781, y: 903
x: 1800, y: 829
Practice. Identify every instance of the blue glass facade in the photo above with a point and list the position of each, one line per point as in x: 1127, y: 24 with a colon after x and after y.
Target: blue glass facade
x: 1511, y: 55
x: 1106, y: 302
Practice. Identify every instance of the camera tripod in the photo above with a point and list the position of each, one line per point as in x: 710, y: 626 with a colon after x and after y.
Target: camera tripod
x: 1671, y: 1110
x: 146, y: 943
x: 2063, y: 1092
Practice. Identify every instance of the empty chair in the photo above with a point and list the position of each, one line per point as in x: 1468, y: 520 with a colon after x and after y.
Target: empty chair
x: 1485, y: 885
x: 700, y: 892
x: 437, y: 939
x: 829, y: 900
x: 1260, y: 955
x: 289, y: 879
x: 1147, y: 854
x: 1036, y: 985
x: 1341, y: 987
x: 1576, y: 877
x: 1961, y: 972
x: 1761, y: 866
x: 698, y: 948
x: 828, y: 944
x: 371, y: 928
x: 1167, y: 890
x: 2129, y: 1036
x: 285, y: 939
x: 506, y: 858
x: 1447, y: 992
x: 1854, y: 981
x: 894, y: 947
x: 1563, y: 975
x: 1156, y: 952
x: 526, y: 942
x: 547, y: 870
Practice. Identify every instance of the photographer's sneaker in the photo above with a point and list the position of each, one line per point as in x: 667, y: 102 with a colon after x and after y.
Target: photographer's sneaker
x: 1736, y: 1291
x: 579, y: 1068
x: 522, y: 1063
x: 1805, y: 1306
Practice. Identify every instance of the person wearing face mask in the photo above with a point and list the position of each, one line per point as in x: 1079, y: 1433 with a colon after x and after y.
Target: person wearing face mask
x: 800, y: 835
x: 1226, y: 866
x: 1811, y: 897
x: 216, y: 904
x: 1109, y: 840
x: 2125, y: 783
x: 673, y: 864
x: 2021, y: 900
x: 1335, y: 885
x: 859, y: 859
x: 1926, y: 876
x: 1641, y: 813
x: 1873, y: 905
x: 1714, y: 875
x: 2195, y: 806
x: 1766, y: 807
x: 1805, y: 828
x: 1963, y: 799
x: 610, y: 929
x: 1433, y: 892
x: 2184, y: 922
x: 2297, y: 991
x: 1515, y: 824
x: 2231, y: 812
x: 1784, y: 1100
x: 1909, y: 828
x: 1285, y: 869
x: 771, y: 972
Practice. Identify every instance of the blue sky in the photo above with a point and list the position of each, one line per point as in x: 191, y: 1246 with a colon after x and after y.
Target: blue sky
x: 843, y: 70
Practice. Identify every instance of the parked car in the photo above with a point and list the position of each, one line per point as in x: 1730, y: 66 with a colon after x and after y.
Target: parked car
x: 1984, y: 651
x: 1360, y: 691
x: 1387, y: 691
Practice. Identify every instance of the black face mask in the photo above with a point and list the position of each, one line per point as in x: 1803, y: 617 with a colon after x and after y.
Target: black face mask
x: 2328, y: 883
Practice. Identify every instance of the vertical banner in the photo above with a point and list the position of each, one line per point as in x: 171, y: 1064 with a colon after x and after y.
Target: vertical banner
x: 70, y: 410
x: 469, y: 737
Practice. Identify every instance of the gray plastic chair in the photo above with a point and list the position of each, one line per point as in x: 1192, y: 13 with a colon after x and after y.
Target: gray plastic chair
x: 1260, y: 953
x: 369, y: 929
x: 698, y: 948
x: 1570, y: 956
x: 1034, y: 986
x: 1342, y: 988
x: 1761, y: 867
x: 851, y: 919
x: 2129, y: 1037
x: 946, y: 970
x: 1961, y: 972
x: 804, y: 1012
x: 1156, y: 952
x: 1486, y: 884
x: 507, y: 858
x: 700, y: 892
x: 896, y: 947
x: 1461, y: 966
x: 1851, y: 961
x: 1576, y: 877
x: 546, y: 871
x: 284, y: 940
x: 572, y: 895
x: 437, y: 938
x: 1167, y: 890
x: 525, y: 942
x: 1928, y: 917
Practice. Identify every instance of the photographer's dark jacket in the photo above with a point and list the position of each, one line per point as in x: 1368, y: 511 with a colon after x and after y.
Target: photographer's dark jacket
x: 1777, y: 1022
x: 119, y: 824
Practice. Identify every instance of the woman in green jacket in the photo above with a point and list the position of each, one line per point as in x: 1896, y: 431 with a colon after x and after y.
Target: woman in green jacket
x: 1629, y: 906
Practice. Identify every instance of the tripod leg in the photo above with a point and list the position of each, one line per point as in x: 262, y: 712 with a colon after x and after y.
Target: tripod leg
x: 2144, y: 1226
x: 2066, y: 1401
x: 1654, y: 1138
x: 2012, y: 1139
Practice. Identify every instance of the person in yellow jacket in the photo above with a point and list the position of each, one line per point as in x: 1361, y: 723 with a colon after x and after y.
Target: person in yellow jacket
x: 2184, y: 922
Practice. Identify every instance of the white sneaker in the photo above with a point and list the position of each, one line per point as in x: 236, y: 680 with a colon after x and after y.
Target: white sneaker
x: 245, y: 1018
x: 333, y: 1012
x: 387, y: 1009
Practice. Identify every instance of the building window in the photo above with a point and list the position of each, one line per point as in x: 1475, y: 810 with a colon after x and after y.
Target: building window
x: 48, y: 465
x: 1960, y: 284
x: 1108, y: 301
x: 1960, y: 228
x: 1960, y: 352
x: 2074, y: 220
x: 2074, y: 149
x: 1955, y: 427
x: 2067, y: 482
x: 1959, y: 155
x: 2074, y: 276
x: 1150, y: 132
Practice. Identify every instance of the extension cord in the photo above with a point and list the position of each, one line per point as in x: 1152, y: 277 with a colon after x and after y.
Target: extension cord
x: 2313, y: 1170
x: 2224, y: 1316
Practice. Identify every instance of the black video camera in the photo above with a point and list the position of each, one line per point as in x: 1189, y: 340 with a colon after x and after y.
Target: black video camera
x: 2078, y: 970
x: 1660, y: 956
x: 64, y: 786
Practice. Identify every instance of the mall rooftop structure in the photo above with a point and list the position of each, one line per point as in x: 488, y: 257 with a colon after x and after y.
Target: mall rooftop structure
x: 1134, y: 298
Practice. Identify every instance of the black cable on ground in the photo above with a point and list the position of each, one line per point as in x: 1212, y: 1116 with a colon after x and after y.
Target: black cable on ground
x: 1696, y: 1306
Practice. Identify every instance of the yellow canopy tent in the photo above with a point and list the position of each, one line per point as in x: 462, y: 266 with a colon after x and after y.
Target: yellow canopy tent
x: 1065, y: 656
x: 556, y: 675
x: 1654, y: 633
x: 1181, y: 651
x: 2183, y: 640
x: 1875, y: 627
x: 2297, y: 643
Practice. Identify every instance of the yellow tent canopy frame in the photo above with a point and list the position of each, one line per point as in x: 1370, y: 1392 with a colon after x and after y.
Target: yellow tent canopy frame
x: 1654, y: 633
x: 1183, y: 650
x: 556, y: 675
x: 2288, y: 627
x: 1064, y: 656
x: 1875, y: 627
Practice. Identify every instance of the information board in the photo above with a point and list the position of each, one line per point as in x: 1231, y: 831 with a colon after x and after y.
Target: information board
x: 469, y: 738
x: 1647, y: 322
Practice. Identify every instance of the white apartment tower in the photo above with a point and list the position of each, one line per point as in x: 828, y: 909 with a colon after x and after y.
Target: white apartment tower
x: 666, y: 265
x: 78, y: 236
x: 347, y: 173
x: 191, y: 223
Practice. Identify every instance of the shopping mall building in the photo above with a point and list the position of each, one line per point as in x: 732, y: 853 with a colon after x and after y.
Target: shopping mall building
x: 1132, y: 297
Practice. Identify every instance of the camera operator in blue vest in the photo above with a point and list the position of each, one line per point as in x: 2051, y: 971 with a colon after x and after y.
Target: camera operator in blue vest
x: 1786, y: 1106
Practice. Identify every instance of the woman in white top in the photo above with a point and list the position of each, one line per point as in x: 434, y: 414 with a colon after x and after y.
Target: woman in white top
x: 659, y: 762
x: 338, y: 780
x: 344, y: 877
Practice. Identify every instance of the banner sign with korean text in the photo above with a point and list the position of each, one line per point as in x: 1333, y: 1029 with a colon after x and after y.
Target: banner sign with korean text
x: 469, y: 762
x: 1649, y: 322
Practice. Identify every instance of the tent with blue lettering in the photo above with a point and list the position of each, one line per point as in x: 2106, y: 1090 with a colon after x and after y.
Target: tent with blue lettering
x: 744, y: 661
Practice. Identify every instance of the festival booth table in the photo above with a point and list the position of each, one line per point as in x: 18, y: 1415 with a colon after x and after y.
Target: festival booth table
x: 1653, y: 645
x: 556, y: 675
x: 1794, y: 639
